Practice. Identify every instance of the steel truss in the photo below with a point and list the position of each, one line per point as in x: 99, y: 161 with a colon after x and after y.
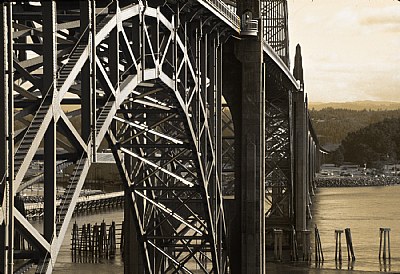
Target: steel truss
x: 228, y: 151
x: 279, y: 153
x: 275, y: 27
x: 147, y: 75
x: 279, y: 178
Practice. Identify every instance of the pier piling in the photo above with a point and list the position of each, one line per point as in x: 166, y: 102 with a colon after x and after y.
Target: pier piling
x: 385, y: 234
x: 338, y: 249
x: 319, y: 254
x: 349, y: 243
x: 90, y: 242
x: 294, y: 253
x: 306, y: 245
x: 278, y: 244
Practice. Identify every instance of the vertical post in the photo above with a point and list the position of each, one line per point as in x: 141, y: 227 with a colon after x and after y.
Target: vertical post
x: 250, y: 53
x: 316, y: 245
x: 384, y: 244
x: 132, y: 249
x: 93, y: 77
x: 49, y: 87
x: 300, y: 149
x: 306, y: 245
x: 86, y: 96
x: 388, y: 233
x: 4, y: 132
x: 338, y: 249
x: 218, y: 107
x: 380, y: 242
x: 10, y: 141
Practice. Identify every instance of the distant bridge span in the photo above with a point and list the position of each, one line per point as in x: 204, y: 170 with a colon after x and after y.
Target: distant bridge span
x: 148, y: 79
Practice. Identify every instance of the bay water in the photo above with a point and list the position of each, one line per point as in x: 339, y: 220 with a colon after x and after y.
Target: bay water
x: 364, y: 210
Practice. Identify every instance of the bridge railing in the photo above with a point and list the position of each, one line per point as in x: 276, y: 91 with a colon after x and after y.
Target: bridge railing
x: 225, y: 10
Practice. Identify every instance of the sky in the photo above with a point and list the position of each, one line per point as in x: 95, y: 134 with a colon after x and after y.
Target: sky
x: 350, y: 48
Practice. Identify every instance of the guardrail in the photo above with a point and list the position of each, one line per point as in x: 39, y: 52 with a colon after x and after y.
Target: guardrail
x: 225, y: 10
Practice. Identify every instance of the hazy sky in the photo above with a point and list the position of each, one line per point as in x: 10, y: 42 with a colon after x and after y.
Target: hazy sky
x: 350, y: 48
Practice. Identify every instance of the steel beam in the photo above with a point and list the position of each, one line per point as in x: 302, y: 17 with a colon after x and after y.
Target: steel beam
x: 4, y: 133
x: 162, y: 65
x: 274, y: 15
x: 10, y: 143
x: 49, y: 10
x: 86, y: 90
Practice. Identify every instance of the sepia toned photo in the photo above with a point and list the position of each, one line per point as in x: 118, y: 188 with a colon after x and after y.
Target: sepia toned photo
x: 200, y: 136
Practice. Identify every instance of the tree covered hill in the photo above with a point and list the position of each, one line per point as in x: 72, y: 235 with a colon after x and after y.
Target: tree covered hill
x: 357, y: 105
x: 376, y: 143
x: 332, y: 125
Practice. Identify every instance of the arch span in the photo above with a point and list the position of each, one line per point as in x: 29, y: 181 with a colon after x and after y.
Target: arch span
x: 148, y: 79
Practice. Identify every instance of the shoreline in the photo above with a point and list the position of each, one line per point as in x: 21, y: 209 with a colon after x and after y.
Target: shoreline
x: 356, y: 181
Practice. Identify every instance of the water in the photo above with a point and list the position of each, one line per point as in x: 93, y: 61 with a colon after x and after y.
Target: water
x: 64, y: 264
x: 364, y: 210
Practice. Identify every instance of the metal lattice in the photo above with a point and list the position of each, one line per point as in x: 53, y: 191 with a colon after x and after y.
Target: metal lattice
x: 275, y: 27
x: 151, y: 73
x: 278, y: 158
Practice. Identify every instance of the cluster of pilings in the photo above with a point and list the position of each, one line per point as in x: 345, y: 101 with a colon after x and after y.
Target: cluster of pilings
x: 35, y: 211
x: 89, y: 242
x: 349, y: 245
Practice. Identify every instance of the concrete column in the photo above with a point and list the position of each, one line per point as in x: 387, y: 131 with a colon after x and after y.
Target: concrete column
x: 49, y: 87
x: 232, y: 81
x: 253, y: 157
x: 250, y: 52
x: 300, y: 162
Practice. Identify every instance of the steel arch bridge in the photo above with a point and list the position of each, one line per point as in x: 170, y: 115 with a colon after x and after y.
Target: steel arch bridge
x: 146, y: 79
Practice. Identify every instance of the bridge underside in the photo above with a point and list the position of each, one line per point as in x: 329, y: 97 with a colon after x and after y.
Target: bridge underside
x: 145, y: 79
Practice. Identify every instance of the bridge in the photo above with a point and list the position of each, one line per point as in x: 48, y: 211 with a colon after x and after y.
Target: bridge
x: 192, y: 97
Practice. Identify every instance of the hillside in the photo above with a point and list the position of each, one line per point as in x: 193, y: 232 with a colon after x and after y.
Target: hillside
x: 379, y: 142
x: 357, y: 105
x: 332, y: 125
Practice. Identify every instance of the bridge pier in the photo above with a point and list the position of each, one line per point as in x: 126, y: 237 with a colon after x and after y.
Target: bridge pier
x: 249, y: 52
x: 232, y: 79
x: 244, y: 90
x: 300, y: 162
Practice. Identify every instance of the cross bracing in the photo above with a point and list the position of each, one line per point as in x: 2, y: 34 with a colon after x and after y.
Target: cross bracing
x: 143, y: 78
x: 149, y: 71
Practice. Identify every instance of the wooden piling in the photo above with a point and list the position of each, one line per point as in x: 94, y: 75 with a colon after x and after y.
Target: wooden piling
x: 74, y: 241
x: 111, y: 240
x: 385, y: 234
x: 319, y: 254
x: 338, y: 248
x: 96, y: 240
x: 278, y: 244
x: 349, y: 244
x: 89, y: 243
x: 306, y: 245
x: 294, y: 253
x: 122, y: 241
